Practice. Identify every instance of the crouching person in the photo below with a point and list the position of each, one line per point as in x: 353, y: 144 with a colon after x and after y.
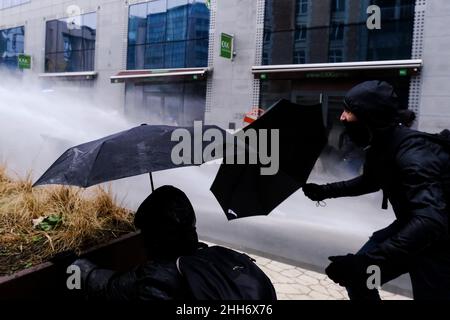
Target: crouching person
x: 412, y: 169
x: 179, y: 266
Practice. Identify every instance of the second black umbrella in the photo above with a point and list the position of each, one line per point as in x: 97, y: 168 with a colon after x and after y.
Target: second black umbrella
x: 242, y: 190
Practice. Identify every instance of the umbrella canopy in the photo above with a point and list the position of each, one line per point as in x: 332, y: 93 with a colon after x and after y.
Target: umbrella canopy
x: 242, y: 190
x: 140, y: 150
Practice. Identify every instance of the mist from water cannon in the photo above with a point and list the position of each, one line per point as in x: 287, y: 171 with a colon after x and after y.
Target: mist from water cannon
x: 38, y: 123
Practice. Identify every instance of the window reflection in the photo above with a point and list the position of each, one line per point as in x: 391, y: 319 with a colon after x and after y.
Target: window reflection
x: 177, y: 21
x: 154, y: 56
x: 137, y: 24
x: 11, y: 45
x: 336, y: 31
x: 168, y: 34
x: 70, y: 44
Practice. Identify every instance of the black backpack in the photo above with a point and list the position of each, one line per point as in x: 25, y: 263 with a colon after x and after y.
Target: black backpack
x: 218, y: 273
x: 442, y: 138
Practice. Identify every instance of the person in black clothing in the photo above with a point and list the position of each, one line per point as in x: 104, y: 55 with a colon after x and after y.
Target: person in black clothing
x: 167, y: 222
x: 413, y: 174
x: 179, y: 266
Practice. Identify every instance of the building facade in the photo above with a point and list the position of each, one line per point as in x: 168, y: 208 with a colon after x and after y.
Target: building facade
x: 159, y: 61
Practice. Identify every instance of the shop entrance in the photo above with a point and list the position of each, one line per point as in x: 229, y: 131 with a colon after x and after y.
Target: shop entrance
x: 175, y: 104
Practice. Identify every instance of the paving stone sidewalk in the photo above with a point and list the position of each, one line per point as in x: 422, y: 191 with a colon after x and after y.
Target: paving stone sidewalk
x: 294, y: 283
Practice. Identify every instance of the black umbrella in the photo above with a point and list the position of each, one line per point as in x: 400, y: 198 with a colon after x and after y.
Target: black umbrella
x: 242, y: 190
x: 143, y: 149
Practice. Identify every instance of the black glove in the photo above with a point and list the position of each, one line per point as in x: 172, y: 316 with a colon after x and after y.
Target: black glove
x: 316, y: 192
x: 86, y: 268
x: 94, y: 280
x: 349, y: 270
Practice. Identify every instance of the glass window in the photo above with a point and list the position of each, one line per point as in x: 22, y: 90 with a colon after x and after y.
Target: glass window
x: 176, y: 20
x: 300, y: 33
x: 137, y: 24
x: 337, y: 31
x: 198, y: 20
x: 89, y: 31
x: 299, y: 57
x: 154, y: 56
x: 336, y: 24
x: 175, y: 54
x: 70, y: 44
x: 338, y: 5
x: 197, y: 53
x: 11, y: 45
x: 175, y: 34
x: 88, y: 60
x: 265, y: 58
x: 335, y: 56
x: 50, y: 62
x: 156, y: 21
x: 136, y: 57
x: 51, y: 34
x: 301, y: 7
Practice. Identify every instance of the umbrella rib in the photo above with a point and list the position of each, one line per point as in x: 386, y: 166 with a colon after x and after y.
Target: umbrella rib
x: 93, y: 163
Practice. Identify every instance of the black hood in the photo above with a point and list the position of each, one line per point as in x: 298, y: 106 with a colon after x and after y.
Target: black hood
x: 167, y: 222
x: 374, y: 103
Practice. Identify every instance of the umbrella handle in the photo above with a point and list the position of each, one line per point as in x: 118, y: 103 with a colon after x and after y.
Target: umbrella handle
x: 322, y: 204
x: 151, y: 181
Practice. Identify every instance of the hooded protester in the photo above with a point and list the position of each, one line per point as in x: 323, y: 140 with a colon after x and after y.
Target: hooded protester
x: 167, y: 222
x: 413, y: 173
x: 179, y: 266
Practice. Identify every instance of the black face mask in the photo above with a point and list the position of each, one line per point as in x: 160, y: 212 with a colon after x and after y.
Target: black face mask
x: 358, y: 133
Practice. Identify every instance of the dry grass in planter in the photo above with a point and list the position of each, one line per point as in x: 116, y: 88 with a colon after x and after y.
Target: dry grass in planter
x: 37, y: 223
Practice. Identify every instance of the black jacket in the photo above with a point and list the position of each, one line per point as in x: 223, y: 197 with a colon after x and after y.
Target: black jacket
x: 154, y: 280
x: 412, y: 172
x: 413, y: 176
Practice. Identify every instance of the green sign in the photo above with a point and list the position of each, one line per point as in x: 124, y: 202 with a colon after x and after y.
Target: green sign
x: 403, y: 72
x: 208, y: 4
x: 226, y: 46
x: 24, y: 61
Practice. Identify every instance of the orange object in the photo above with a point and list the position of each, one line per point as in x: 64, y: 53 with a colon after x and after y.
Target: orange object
x: 254, y: 114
